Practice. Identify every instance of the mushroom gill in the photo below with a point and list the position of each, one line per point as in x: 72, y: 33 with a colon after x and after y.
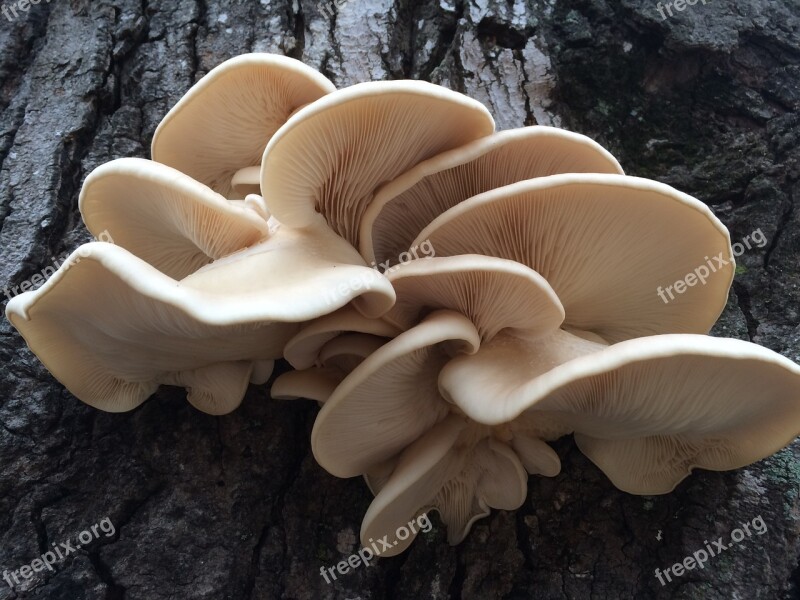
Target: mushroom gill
x: 217, y: 132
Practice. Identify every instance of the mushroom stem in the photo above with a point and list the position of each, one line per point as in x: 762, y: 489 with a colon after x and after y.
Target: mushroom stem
x: 247, y: 181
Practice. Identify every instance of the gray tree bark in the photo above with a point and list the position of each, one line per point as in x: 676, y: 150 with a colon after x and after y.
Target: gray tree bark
x: 707, y: 100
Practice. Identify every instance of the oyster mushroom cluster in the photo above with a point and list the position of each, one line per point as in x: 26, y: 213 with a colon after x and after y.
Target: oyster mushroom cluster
x: 455, y: 297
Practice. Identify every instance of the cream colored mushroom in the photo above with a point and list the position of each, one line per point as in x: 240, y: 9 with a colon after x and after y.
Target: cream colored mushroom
x: 165, y: 217
x: 302, y: 351
x: 646, y: 411
x: 468, y: 298
x: 492, y: 292
x: 347, y: 351
x: 329, y: 157
x: 314, y: 383
x: 606, y: 244
x: 336, y: 359
x: 112, y: 328
x: 217, y: 131
x: 314, y: 349
x: 443, y: 471
x: 403, y: 207
x: 417, y: 451
x: 391, y: 398
x: 434, y: 421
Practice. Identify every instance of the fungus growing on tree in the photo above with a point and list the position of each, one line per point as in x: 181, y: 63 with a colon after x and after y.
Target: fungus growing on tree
x: 536, y: 314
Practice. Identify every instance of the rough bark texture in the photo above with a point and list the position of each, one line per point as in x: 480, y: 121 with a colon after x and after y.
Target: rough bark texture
x: 707, y: 100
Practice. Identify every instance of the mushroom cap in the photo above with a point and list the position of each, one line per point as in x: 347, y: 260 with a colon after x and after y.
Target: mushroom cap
x: 460, y: 481
x: 337, y: 358
x: 494, y: 293
x: 536, y: 456
x: 347, y: 351
x: 646, y: 411
x: 262, y: 371
x: 331, y: 156
x: 316, y: 383
x: 165, y: 217
x: 399, y: 378
x: 605, y: 243
x: 302, y: 351
x: 112, y: 328
x: 223, y: 123
x: 403, y: 207
x: 303, y: 274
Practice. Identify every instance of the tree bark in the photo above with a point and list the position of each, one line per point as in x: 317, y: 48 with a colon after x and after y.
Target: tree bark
x: 707, y: 100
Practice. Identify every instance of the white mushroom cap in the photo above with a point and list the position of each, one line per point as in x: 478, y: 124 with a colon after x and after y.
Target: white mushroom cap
x: 112, y: 328
x: 399, y: 379
x: 494, y: 293
x: 262, y: 371
x: 338, y: 357
x: 320, y: 270
x: 302, y: 351
x: 165, y: 217
x: 403, y: 207
x: 223, y: 123
x: 536, y: 456
x: 646, y: 411
x: 606, y: 244
x: 347, y: 351
x: 330, y: 156
x: 460, y: 481
x: 316, y: 383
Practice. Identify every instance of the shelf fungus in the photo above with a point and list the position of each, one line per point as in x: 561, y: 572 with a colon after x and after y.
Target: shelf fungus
x: 329, y: 157
x: 282, y: 218
x: 218, y: 131
x: 198, y: 292
x: 451, y: 413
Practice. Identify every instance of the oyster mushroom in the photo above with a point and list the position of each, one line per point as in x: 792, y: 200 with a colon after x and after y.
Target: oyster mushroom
x: 511, y: 294
x: 112, y: 328
x: 165, y: 217
x: 605, y: 243
x: 403, y: 207
x: 327, y: 160
x: 317, y: 346
x: 442, y: 471
x: 645, y: 411
x: 515, y: 296
x: 454, y: 408
x: 217, y: 132
x: 302, y: 351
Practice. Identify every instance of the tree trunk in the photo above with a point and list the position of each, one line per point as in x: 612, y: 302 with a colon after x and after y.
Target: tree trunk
x: 707, y: 100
